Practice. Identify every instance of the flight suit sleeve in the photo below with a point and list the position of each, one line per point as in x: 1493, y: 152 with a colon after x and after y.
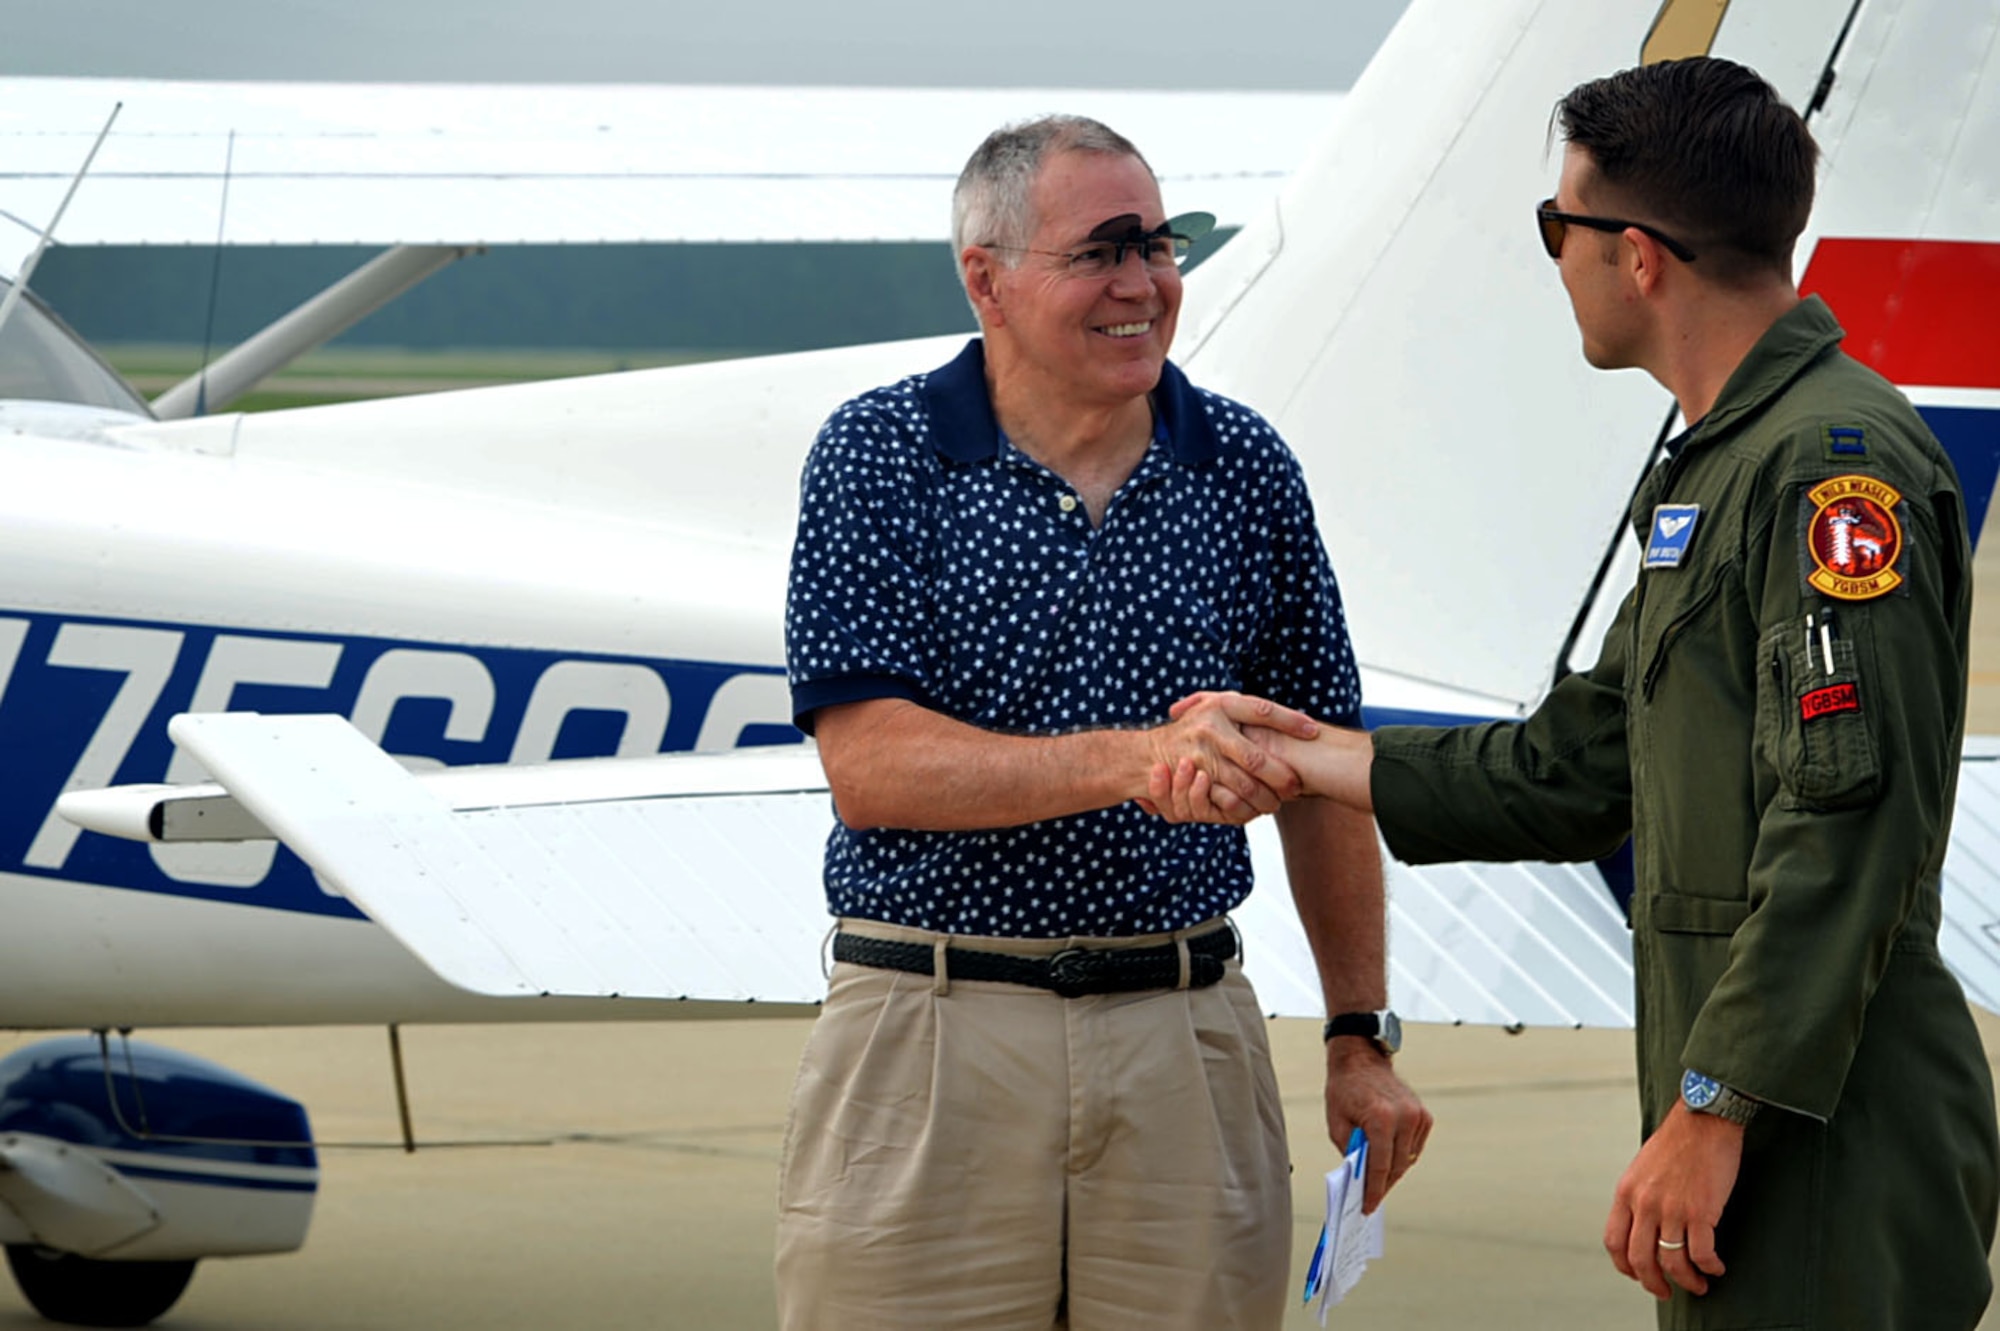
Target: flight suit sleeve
x: 1856, y: 744
x: 1556, y: 786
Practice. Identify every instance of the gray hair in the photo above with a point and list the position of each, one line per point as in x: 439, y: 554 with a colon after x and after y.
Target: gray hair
x: 991, y: 204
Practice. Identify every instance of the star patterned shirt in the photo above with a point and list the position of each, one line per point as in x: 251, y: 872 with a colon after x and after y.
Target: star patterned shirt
x: 937, y: 563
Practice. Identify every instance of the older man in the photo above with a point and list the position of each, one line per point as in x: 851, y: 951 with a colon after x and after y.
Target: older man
x: 1040, y: 1093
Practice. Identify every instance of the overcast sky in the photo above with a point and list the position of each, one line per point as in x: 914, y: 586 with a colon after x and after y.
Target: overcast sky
x: 1245, y: 44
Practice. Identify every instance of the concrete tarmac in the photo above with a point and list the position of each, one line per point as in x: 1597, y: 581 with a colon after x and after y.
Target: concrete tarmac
x: 622, y: 1176
x: 646, y: 1199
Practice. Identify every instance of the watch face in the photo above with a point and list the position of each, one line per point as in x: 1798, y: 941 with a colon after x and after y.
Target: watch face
x: 1698, y: 1091
x: 1392, y: 1031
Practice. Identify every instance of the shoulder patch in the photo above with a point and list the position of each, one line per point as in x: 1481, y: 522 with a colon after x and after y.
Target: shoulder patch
x: 1854, y: 538
x: 1844, y: 443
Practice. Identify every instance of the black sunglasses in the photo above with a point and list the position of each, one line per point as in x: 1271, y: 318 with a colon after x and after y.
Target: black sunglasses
x: 1553, y: 224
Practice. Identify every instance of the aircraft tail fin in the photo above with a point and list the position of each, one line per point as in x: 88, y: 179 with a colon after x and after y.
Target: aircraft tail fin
x: 1395, y: 316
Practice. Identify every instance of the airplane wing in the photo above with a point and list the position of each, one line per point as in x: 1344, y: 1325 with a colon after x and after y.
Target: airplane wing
x: 698, y: 877
x: 191, y: 163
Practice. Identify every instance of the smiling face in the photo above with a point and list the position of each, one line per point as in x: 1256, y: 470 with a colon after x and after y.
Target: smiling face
x: 1092, y: 341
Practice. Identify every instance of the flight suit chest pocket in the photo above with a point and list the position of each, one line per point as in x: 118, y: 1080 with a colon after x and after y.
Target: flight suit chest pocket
x: 1812, y: 721
x: 1673, y: 611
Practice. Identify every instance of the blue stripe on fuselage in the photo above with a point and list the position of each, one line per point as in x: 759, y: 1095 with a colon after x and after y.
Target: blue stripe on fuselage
x: 52, y: 709
x: 1374, y: 717
x: 217, y: 1180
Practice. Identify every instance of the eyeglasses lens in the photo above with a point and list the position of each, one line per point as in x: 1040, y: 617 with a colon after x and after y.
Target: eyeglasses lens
x: 1552, y: 229
x: 1102, y: 259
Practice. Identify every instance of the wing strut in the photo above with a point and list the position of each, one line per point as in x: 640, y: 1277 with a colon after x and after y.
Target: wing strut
x: 327, y: 315
x: 48, y: 232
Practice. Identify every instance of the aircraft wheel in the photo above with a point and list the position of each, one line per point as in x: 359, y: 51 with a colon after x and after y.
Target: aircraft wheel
x: 82, y: 1291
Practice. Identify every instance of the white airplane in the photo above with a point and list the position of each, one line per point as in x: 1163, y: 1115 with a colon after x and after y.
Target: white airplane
x: 596, y: 567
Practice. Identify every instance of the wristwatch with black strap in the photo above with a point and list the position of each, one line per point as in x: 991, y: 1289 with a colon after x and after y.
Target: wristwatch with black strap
x: 1383, y: 1027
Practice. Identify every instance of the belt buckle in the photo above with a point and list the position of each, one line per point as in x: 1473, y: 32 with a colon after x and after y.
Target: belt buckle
x: 1073, y: 971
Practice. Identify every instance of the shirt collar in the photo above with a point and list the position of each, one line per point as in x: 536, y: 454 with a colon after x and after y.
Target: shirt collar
x: 1801, y: 336
x: 1674, y: 445
x: 963, y: 428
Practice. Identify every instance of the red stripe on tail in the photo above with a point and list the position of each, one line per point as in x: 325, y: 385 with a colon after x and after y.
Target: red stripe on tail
x: 1918, y: 311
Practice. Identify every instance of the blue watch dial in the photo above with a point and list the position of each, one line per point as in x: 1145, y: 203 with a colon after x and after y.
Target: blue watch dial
x: 1699, y: 1091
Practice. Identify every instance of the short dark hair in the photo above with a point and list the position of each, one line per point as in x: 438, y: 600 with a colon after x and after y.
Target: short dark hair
x: 1708, y: 151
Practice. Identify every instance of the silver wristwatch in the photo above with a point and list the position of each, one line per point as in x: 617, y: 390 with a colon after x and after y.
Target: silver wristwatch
x: 1705, y: 1095
x: 1383, y: 1027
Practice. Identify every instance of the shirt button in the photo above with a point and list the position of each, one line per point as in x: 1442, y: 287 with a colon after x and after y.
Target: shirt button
x: 1068, y: 503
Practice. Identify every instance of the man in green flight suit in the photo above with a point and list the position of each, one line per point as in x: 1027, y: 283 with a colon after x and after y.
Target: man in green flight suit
x: 1775, y: 718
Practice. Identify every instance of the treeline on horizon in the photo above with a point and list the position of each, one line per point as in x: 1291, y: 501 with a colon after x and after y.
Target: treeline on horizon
x: 739, y: 298
x: 657, y: 296
x: 707, y: 298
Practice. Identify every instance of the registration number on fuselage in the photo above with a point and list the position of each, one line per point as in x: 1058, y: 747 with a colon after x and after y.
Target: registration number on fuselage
x: 84, y: 703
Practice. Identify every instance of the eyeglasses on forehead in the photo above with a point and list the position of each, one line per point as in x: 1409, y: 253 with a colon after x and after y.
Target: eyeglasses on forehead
x: 1104, y: 249
x: 1554, y: 225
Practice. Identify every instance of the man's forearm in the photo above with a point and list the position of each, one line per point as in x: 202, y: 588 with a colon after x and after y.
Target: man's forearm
x: 1337, y: 765
x: 1335, y: 867
x: 892, y: 763
x: 1332, y: 859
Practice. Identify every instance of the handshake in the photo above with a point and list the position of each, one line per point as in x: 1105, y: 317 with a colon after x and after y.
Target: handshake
x: 1228, y: 757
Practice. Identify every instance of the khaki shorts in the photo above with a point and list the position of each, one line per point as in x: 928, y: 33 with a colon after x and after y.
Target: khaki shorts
x: 970, y: 1154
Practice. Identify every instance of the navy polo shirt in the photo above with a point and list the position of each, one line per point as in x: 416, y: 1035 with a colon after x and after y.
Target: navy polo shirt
x: 936, y: 562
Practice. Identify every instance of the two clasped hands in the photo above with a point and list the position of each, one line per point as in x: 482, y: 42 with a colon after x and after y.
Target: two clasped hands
x: 1229, y: 758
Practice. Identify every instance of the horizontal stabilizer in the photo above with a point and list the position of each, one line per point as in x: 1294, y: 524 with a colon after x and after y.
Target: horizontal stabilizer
x: 671, y: 898
x: 1970, y: 938
x: 1509, y: 945
x: 688, y: 876
x: 698, y: 877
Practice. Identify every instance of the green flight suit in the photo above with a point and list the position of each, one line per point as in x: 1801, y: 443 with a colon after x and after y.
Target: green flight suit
x: 1789, y: 798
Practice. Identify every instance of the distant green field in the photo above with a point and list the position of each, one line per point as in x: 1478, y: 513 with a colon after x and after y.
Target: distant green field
x: 349, y: 374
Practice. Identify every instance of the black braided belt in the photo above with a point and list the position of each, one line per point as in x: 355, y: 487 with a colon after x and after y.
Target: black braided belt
x: 1071, y: 973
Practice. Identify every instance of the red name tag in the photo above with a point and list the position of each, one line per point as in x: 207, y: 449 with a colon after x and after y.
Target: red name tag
x: 1828, y: 701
